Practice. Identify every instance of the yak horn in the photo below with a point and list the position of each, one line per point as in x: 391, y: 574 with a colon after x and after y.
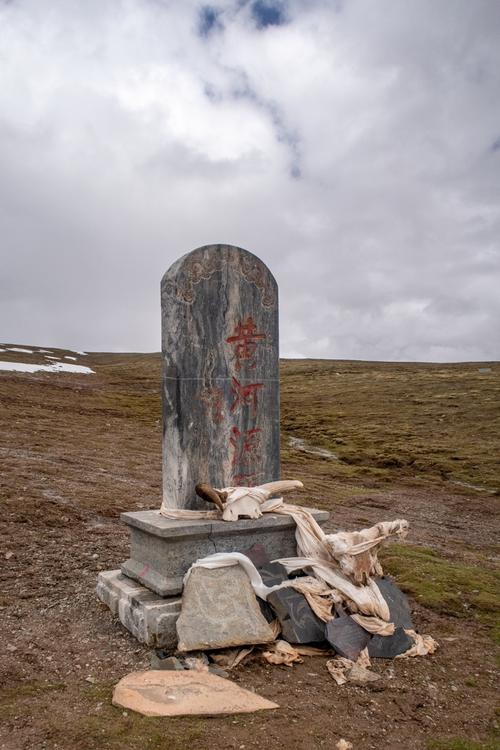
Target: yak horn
x: 210, y: 495
x: 281, y: 487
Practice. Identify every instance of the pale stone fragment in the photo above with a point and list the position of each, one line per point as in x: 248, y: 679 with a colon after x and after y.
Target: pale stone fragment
x: 171, y: 693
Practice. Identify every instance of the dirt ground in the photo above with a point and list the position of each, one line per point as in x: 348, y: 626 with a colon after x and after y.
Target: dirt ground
x: 76, y: 450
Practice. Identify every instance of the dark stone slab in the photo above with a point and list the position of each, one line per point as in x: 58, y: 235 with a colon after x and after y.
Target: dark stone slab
x: 346, y: 636
x: 399, y: 607
x: 389, y: 646
x: 220, y: 373
x: 273, y: 573
x: 266, y: 610
x: 299, y: 624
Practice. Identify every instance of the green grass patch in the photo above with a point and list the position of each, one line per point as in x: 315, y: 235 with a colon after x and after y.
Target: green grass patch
x: 115, y: 728
x: 114, y: 731
x: 447, y: 586
x: 141, y: 406
x: 460, y: 743
x: 370, y: 416
x: 11, y: 697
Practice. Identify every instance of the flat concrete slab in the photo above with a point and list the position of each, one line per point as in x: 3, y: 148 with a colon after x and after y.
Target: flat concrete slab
x: 162, y: 550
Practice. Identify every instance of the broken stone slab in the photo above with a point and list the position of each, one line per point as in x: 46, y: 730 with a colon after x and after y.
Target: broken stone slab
x: 359, y: 675
x: 149, y: 617
x: 298, y: 622
x: 219, y: 609
x: 389, y: 646
x: 399, y: 607
x: 273, y: 573
x: 346, y: 636
x: 172, y: 693
x: 162, y: 549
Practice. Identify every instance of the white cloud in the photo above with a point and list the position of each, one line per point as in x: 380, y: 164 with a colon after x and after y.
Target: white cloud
x: 352, y: 148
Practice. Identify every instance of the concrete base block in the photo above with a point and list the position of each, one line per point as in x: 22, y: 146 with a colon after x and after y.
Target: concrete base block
x: 162, y: 550
x: 149, y: 617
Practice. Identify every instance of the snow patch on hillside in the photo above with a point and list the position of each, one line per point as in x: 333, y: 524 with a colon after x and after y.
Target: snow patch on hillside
x: 55, y: 367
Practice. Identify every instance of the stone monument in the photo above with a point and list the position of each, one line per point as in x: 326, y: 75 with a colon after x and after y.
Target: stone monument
x: 220, y: 426
x: 220, y: 373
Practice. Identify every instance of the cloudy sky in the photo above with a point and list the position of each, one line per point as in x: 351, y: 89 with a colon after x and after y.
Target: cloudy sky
x: 354, y: 145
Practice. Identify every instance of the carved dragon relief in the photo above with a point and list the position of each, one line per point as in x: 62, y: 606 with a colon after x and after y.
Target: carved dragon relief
x: 202, y: 266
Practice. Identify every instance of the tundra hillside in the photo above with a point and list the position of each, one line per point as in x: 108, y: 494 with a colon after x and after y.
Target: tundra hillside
x: 370, y: 441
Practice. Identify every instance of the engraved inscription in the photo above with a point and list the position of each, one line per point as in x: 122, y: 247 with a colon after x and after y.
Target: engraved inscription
x: 245, y: 395
x: 244, y: 341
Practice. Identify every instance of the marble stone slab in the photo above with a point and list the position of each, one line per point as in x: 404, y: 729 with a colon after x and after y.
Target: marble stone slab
x: 162, y: 550
x: 220, y: 373
x: 150, y: 618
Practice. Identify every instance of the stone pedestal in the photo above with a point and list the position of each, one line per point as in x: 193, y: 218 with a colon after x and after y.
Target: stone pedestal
x: 150, y: 618
x: 163, y: 550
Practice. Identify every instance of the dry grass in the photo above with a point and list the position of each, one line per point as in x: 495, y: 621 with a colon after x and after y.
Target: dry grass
x: 391, y: 422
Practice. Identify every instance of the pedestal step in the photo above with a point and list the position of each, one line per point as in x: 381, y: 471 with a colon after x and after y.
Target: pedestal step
x: 149, y: 617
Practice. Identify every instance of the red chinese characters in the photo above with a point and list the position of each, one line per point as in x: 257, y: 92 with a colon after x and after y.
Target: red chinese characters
x: 244, y: 341
x: 246, y: 446
x: 239, y: 401
x: 244, y: 395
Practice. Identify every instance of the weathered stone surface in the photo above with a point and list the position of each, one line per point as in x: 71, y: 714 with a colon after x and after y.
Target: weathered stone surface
x: 359, y: 675
x: 163, y: 550
x: 147, y: 616
x: 220, y: 373
x: 170, y: 693
x: 298, y: 622
x: 258, y: 555
x: 389, y: 646
x: 219, y: 609
x: 399, y: 608
x: 170, y: 662
x: 346, y: 636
